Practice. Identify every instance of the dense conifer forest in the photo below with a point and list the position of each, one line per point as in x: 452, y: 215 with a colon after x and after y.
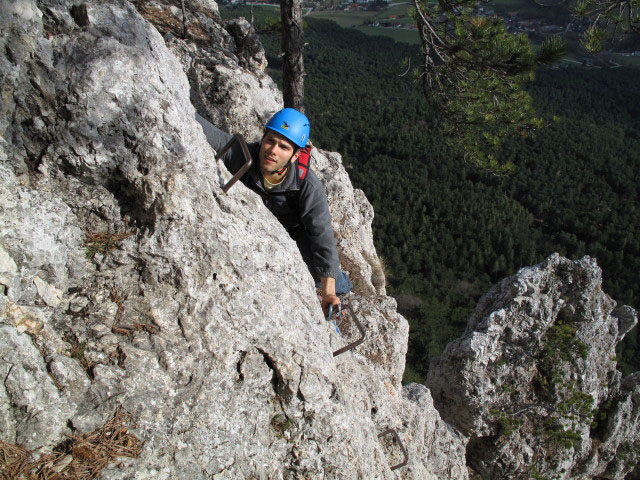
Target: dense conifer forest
x: 447, y: 231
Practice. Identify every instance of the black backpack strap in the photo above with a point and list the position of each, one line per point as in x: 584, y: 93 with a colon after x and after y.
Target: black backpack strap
x: 292, y: 198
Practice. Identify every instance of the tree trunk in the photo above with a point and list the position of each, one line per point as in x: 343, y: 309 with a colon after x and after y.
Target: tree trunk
x: 185, y: 30
x: 292, y: 45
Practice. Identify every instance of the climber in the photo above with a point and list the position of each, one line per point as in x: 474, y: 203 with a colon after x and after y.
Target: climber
x: 292, y: 192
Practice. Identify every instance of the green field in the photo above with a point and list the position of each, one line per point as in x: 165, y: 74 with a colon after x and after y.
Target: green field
x: 398, y: 34
x: 358, y: 19
x: 355, y: 19
x: 345, y: 19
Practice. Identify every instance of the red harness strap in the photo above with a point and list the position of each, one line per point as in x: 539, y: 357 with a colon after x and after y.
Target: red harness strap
x: 303, y: 162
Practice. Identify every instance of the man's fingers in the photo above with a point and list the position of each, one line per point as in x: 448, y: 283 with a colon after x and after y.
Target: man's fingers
x: 329, y: 300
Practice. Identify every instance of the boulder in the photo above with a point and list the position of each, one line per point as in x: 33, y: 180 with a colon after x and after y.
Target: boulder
x: 533, y: 381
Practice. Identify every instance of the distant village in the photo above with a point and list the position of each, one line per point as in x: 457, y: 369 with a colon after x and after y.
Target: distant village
x: 516, y: 22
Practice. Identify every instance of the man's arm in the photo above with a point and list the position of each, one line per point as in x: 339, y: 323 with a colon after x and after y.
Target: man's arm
x: 233, y: 158
x: 314, y: 214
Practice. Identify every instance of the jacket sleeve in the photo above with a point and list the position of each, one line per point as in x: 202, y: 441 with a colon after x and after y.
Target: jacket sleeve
x: 234, y: 158
x: 315, y: 216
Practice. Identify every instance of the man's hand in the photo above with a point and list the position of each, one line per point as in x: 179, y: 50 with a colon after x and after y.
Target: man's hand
x: 329, y: 296
x: 329, y: 300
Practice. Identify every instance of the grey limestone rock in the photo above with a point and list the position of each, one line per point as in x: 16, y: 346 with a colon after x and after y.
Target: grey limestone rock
x: 196, y: 313
x: 224, y: 62
x: 533, y: 381
x: 129, y: 280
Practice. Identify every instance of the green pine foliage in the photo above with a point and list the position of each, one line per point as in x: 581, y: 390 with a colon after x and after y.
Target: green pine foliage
x: 446, y: 230
x: 474, y: 71
x: 610, y: 20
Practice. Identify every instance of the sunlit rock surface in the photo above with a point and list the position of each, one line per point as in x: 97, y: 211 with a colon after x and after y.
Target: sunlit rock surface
x: 129, y: 280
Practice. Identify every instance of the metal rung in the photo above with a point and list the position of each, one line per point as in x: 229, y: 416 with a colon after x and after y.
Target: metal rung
x: 404, y: 450
x: 357, y: 342
x: 248, y: 160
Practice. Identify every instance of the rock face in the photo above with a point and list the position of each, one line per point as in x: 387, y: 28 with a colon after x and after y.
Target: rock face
x: 225, y: 64
x: 129, y: 280
x: 533, y: 382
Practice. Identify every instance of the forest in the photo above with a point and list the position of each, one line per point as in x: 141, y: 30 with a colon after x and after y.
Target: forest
x: 448, y: 231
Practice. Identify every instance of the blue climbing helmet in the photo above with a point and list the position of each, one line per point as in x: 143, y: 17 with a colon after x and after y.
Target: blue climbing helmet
x: 291, y: 124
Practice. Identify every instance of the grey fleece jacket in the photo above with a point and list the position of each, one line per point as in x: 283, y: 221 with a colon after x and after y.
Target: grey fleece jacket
x: 300, y: 205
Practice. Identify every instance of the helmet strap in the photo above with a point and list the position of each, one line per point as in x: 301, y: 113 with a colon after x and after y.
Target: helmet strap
x: 284, y: 169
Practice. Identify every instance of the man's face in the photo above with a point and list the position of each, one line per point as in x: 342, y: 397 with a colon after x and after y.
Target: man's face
x: 275, y: 152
